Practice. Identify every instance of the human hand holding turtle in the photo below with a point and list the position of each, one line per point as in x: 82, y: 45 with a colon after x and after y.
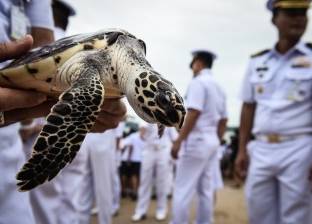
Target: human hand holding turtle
x: 12, y: 98
x: 20, y: 104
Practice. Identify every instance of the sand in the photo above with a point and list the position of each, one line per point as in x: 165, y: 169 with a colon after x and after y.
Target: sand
x: 230, y: 209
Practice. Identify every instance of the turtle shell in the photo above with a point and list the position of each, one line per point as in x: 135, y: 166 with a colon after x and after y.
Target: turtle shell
x: 37, y: 69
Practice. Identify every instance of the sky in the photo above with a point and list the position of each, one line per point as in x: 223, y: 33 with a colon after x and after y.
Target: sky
x: 171, y: 29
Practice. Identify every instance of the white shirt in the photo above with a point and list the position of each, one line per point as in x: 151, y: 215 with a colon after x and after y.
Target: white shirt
x: 100, y: 141
x: 206, y: 96
x: 281, y: 85
x: 170, y: 135
x: 152, y: 139
x: 138, y: 146
x: 119, y: 130
x: 39, y: 13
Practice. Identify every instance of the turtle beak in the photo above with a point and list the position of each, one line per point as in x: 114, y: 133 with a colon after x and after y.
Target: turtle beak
x: 173, y: 112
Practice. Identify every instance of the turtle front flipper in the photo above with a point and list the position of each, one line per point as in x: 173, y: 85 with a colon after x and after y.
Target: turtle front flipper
x: 67, y: 125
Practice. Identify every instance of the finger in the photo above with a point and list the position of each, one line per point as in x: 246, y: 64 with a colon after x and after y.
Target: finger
x: 106, y: 121
x: 14, y: 49
x: 27, y: 113
x: 21, y: 98
x: 114, y: 106
x: 174, y: 154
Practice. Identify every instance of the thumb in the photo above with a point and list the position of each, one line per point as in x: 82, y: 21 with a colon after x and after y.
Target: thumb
x: 14, y: 49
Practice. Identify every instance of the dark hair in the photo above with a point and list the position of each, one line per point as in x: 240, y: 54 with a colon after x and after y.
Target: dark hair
x: 207, y: 61
x: 275, y: 12
x: 205, y: 58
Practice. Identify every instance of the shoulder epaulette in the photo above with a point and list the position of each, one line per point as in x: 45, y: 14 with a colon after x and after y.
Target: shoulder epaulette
x: 309, y: 45
x: 260, y: 53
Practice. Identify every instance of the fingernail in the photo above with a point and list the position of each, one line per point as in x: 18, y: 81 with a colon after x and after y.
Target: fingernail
x: 22, y: 39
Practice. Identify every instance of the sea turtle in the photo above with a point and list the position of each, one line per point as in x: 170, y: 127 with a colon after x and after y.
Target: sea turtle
x: 81, y: 71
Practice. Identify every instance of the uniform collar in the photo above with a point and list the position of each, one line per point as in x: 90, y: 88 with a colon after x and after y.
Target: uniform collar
x: 299, y: 47
x: 204, y: 71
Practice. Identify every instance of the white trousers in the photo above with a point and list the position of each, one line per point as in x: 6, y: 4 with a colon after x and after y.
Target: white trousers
x: 14, y: 206
x: 278, y: 190
x: 217, y: 175
x: 73, y: 202
x: 96, y: 183
x: 87, y: 180
x: 46, y: 201
x: 194, y: 174
x: 154, y: 161
x: 116, y: 188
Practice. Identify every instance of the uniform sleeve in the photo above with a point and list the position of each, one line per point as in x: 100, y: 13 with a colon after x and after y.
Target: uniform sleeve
x: 127, y: 141
x: 247, y: 93
x: 39, y: 13
x: 119, y: 130
x: 224, y: 112
x: 173, y: 133
x: 195, y: 98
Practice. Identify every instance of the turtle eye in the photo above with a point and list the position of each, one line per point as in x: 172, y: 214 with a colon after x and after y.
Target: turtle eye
x: 113, y: 37
x: 142, y: 43
x: 163, y: 100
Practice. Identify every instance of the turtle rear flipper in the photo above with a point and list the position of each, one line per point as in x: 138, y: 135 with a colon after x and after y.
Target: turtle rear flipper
x: 67, y: 125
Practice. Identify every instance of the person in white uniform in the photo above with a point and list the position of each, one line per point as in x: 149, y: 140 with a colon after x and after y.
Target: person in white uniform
x: 131, y: 157
x: 116, y: 180
x: 198, y: 140
x: 94, y: 184
x: 155, y: 168
x: 15, y: 206
x: 277, y: 110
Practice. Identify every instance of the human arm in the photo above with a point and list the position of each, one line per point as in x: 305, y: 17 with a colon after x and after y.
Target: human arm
x: 130, y: 147
x: 195, y: 102
x: 246, y: 124
x: 221, y: 128
x: 189, y: 123
x: 39, y: 13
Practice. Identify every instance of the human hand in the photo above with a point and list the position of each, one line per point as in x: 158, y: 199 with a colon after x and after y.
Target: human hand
x: 241, y: 165
x: 113, y: 111
x: 15, y: 49
x: 22, y: 98
x: 175, y: 149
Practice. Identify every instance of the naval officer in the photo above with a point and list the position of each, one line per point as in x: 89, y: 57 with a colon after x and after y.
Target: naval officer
x: 277, y: 110
x: 198, y: 141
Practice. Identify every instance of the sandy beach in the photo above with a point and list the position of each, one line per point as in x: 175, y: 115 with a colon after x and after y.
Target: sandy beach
x: 230, y: 209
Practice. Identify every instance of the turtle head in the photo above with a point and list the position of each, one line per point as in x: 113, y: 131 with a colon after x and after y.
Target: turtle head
x: 153, y: 98
x: 156, y: 100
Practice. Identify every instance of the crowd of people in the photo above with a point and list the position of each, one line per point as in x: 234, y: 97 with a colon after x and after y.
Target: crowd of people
x: 272, y: 148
